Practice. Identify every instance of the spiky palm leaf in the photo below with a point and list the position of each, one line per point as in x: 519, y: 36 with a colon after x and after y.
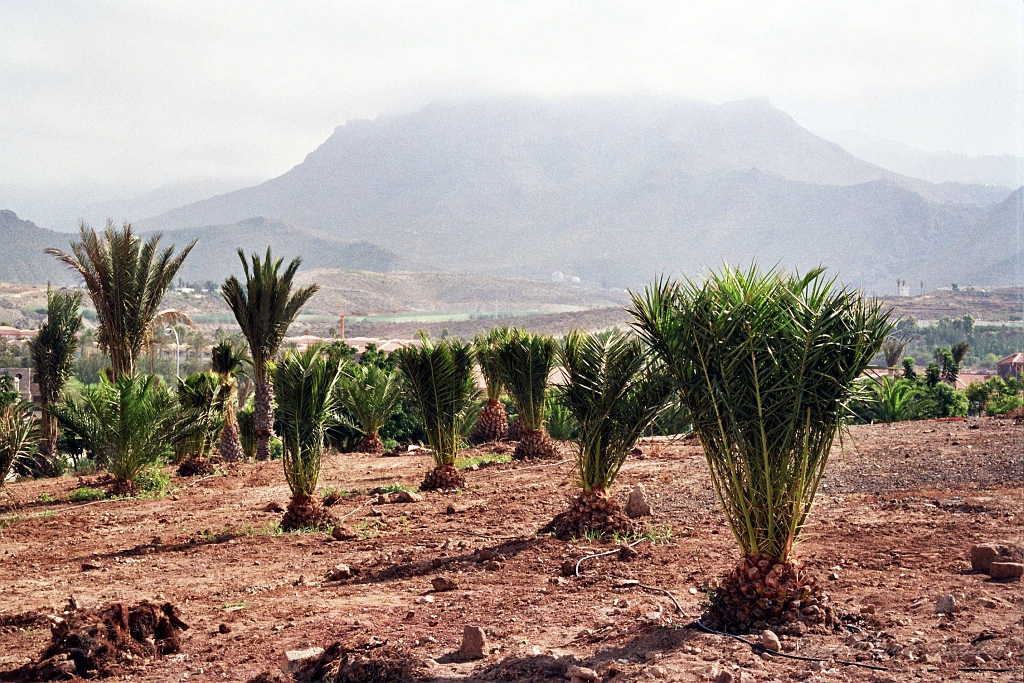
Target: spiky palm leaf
x: 126, y: 279
x: 204, y: 397
x: 767, y: 364
x: 371, y: 394
x: 307, y: 404
x: 18, y: 434
x: 264, y: 308
x: 485, y: 350
x: 439, y: 376
x: 526, y: 361
x: 53, y: 357
x: 228, y: 360
x: 614, y: 392
x: 896, y: 400
x: 892, y: 350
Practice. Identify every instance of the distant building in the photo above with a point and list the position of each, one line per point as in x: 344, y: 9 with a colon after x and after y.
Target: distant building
x: 13, y: 334
x: 1011, y: 366
x: 24, y: 382
x: 902, y: 288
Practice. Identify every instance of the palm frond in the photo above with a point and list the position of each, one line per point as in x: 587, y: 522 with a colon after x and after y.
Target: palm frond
x: 526, y: 361
x: 18, y: 435
x: 371, y: 394
x: 485, y: 350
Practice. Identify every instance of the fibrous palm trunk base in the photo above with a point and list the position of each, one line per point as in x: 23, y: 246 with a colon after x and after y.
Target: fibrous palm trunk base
x: 306, y: 513
x: 515, y: 430
x: 443, y: 478
x: 195, y: 466
x: 762, y: 593
x: 123, y: 488
x: 491, y: 425
x: 535, y: 444
x: 593, y: 511
x: 263, y: 419
x: 371, y: 444
x: 230, y: 443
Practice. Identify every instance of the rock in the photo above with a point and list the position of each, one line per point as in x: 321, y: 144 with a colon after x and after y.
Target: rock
x: 637, y: 504
x: 57, y: 668
x: 442, y: 583
x: 582, y: 673
x: 652, y: 656
x: 474, y: 643
x: 987, y: 603
x: 296, y: 658
x: 224, y: 628
x: 747, y: 677
x: 424, y: 599
x: 450, y: 510
x: 341, y: 572
x: 342, y: 533
x: 657, y: 671
x: 626, y: 553
x: 492, y: 566
x: 568, y: 568
x: 405, y: 497
x: 1006, y: 570
x: 984, y: 554
x: 817, y: 666
x: 867, y: 609
x: 770, y: 641
x: 89, y: 566
x: 486, y: 555
x: 274, y: 506
x: 724, y: 676
x: 934, y: 660
x: 946, y: 604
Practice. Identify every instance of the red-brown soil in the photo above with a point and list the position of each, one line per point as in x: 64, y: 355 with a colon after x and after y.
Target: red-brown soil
x: 893, y: 523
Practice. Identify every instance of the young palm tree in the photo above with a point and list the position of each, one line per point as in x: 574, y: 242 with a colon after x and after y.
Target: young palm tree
x: 371, y: 395
x: 526, y: 361
x: 127, y: 424
x: 767, y: 364
x: 126, y: 279
x: 264, y: 308
x: 892, y: 349
x: 492, y: 423
x: 896, y: 400
x: 202, y: 397
x: 53, y: 360
x: 439, y: 376
x: 19, y: 432
x: 615, y: 393
x: 227, y: 361
x: 307, y: 404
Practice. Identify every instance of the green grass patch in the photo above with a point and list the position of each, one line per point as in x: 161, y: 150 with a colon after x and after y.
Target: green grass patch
x: 9, y: 521
x: 368, y: 528
x: 482, y: 460
x: 84, y: 493
x: 45, y: 497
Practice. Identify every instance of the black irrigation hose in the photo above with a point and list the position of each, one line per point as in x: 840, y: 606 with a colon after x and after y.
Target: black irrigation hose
x: 759, y: 648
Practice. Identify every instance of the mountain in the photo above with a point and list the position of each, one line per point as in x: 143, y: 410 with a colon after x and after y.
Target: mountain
x: 1000, y: 170
x: 23, y: 259
x: 998, y: 258
x: 611, y: 189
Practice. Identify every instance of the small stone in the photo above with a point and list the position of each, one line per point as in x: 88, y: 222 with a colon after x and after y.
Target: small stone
x: 342, y: 533
x: 341, y: 572
x: 1006, y: 570
x: 657, y: 671
x: 568, y: 568
x: 424, y: 599
x: 405, y: 497
x: 724, y: 676
x: 652, y: 656
x: 987, y: 603
x: 296, y: 658
x: 946, y: 604
x: 450, y: 510
x: 747, y: 677
x: 89, y: 566
x: 934, y: 660
x: 834, y: 576
x: 637, y: 504
x: 274, y: 506
x: 582, y: 673
x: 474, y: 643
x: 224, y: 628
x: 492, y: 566
x: 770, y: 641
x: 442, y: 584
x: 867, y: 609
x: 817, y: 666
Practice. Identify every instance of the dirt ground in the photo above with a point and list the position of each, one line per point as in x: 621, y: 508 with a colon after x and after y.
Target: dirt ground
x: 890, y: 534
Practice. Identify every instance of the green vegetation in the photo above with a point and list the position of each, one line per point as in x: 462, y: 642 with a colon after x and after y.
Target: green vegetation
x: 126, y: 279
x: 988, y: 343
x: 995, y: 396
x: 19, y: 433
x: 202, y: 398
x: 264, y: 308
x: 227, y: 360
x: 371, y: 394
x: 526, y: 361
x: 492, y: 422
x: 84, y: 494
x: 439, y: 378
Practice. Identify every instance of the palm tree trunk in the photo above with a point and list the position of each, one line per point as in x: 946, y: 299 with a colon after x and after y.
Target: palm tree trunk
x: 263, y: 417
x: 230, y: 444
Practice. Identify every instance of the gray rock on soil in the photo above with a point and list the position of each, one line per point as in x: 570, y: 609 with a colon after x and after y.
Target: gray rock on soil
x: 341, y: 572
x: 946, y: 604
x: 582, y: 673
x: 984, y: 554
x: 770, y: 641
x: 442, y: 584
x: 637, y: 505
x: 474, y: 643
x: 293, y: 659
x: 405, y: 497
x: 1006, y: 570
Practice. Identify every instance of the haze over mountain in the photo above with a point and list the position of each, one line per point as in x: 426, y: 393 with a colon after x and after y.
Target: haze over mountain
x: 23, y: 260
x: 1003, y: 170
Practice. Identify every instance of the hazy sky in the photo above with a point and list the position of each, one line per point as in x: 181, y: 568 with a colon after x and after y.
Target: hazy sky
x: 138, y: 94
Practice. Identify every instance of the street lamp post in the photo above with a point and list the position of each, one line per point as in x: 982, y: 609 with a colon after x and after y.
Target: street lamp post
x: 177, y: 350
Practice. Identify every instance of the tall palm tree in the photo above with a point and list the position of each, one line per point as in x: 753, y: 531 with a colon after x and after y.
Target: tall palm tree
x: 614, y: 391
x: 227, y: 360
x: 492, y: 423
x: 439, y: 376
x: 307, y: 396
x: 526, y: 361
x: 53, y: 359
x: 767, y: 364
x: 264, y: 308
x: 371, y: 395
x: 126, y: 279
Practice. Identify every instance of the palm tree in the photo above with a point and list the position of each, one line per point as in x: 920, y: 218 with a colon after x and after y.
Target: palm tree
x: 53, y: 352
x: 767, y: 364
x: 126, y: 279
x: 615, y: 393
x: 439, y: 377
x: 227, y: 360
x: 18, y: 434
x: 127, y: 424
x: 307, y: 405
x: 896, y: 400
x: 202, y: 397
x: 892, y: 350
x: 264, y: 308
x: 526, y: 361
x: 371, y: 395
x: 492, y: 423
